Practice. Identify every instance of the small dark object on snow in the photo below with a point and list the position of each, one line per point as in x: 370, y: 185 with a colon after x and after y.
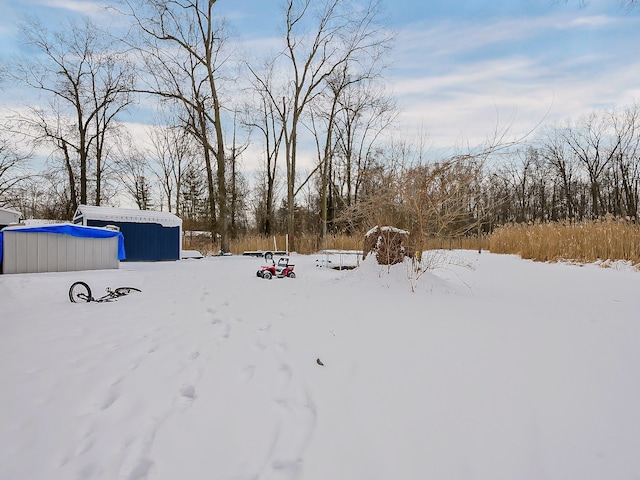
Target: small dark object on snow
x: 319, y: 362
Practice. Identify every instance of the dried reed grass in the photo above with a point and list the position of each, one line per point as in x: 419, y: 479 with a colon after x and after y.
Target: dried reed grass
x: 309, y: 244
x: 608, y: 239
x: 456, y: 243
x: 304, y: 244
x: 586, y: 242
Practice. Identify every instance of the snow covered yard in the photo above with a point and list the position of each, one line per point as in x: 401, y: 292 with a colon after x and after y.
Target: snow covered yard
x: 507, y: 370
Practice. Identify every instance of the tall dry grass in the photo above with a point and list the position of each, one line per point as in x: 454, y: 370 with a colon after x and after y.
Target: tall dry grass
x: 304, y: 244
x: 608, y: 239
x: 586, y: 242
x: 456, y: 243
x: 309, y: 244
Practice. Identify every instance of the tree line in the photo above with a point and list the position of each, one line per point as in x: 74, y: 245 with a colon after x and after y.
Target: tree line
x: 583, y: 169
x: 322, y: 90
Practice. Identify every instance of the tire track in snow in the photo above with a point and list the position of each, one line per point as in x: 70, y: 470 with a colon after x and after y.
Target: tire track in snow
x: 190, y: 374
x: 221, y: 330
x: 297, y: 424
x: 151, y: 361
x: 294, y: 408
x: 139, y: 461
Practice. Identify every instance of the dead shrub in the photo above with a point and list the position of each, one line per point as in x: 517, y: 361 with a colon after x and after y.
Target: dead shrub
x: 387, y: 244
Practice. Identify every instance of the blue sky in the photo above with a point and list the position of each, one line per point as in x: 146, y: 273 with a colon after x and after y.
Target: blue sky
x: 461, y: 68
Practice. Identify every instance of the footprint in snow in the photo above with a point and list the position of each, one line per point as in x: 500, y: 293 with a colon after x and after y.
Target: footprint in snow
x: 264, y: 329
x: 246, y: 373
x: 186, y: 398
x: 113, y: 393
x: 281, y: 347
x: 289, y: 469
x: 110, y: 399
x: 284, y: 374
x: 221, y: 328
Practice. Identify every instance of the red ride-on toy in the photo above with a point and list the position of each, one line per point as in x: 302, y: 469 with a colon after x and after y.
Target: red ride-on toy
x: 281, y: 269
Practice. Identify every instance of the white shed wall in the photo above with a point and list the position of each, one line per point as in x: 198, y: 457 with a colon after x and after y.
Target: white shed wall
x: 8, y: 217
x: 33, y: 252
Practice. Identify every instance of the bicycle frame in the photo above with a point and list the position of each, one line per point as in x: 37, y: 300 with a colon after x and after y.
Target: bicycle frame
x: 81, y: 292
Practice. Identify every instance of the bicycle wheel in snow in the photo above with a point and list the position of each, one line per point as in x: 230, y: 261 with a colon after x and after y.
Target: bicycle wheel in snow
x: 80, y: 292
x: 120, y: 291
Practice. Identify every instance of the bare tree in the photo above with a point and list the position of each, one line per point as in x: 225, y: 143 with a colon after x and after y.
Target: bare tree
x: 440, y: 198
x: 346, y: 122
x: 237, y: 186
x: 627, y: 4
x: 325, y: 147
x: 517, y: 172
x: 366, y: 112
x: 559, y: 158
x: 172, y: 151
x: 261, y: 115
x: 182, y: 47
x: 88, y: 82
x: 132, y: 170
x: 626, y: 162
x: 594, y: 148
x: 321, y: 37
x: 13, y: 171
x: 45, y: 195
x: 426, y: 198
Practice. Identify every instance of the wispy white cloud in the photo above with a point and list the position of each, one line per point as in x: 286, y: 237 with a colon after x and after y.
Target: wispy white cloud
x: 451, y: 38
x: 455, y: 37
x: 594, y: 21
x: 461, y: 77
x: 460, y: 80
x: 76, y: 6
x: 471, y: 100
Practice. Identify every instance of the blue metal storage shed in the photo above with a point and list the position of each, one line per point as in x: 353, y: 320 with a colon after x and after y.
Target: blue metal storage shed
x: 148, y: 235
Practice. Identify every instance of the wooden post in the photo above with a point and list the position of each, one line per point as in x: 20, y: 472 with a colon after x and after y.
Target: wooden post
x: 479, y: 227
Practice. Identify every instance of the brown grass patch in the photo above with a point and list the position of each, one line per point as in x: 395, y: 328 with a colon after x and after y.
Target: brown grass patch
x: 606, y: 240
x: 304, y: 244
x: 309, y: 244
x: 586, y: 242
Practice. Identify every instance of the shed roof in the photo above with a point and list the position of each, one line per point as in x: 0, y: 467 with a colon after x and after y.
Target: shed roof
x: 110, y: 214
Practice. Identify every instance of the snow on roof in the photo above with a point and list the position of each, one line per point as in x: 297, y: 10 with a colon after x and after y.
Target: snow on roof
x: 385, y: 229
x: 109, y: 214
x: 30, y: 222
